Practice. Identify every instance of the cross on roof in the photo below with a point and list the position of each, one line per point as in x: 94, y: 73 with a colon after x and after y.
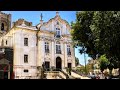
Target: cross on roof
x: 57, y: 13
x: 41, y: 16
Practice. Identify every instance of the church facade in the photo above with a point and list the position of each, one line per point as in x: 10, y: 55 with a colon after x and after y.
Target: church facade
x: 48, y: 42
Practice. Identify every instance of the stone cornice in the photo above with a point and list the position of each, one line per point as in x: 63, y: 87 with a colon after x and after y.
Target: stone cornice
x: 46, y: 31
x: 45, y: 38
x: 30, y: 28
x: 22, y: 66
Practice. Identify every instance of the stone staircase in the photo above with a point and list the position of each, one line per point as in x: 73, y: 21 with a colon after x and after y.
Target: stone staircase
x: 57, y: 75
x: 63, y: 75
x: 54, y: 75
x: 77, y: 75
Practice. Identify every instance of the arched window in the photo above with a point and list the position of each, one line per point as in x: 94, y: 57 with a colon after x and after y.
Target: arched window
x: 58, y: 48
x: 2, y: 26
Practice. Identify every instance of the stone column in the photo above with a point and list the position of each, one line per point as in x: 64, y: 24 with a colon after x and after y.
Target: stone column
x: 65, y: 54
x: 53, y: 54
x: 73, y: 56
x: 38, y: 52
x: 42, y: 51
x: 62, y: 56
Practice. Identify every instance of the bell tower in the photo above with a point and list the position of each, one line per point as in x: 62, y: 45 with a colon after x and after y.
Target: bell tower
x: 5, y: 22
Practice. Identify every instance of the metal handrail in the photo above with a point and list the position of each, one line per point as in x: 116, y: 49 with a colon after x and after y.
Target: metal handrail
x: 57, y: 69
x: 67, y: 76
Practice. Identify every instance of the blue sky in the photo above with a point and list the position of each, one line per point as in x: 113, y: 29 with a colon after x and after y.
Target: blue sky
x: 34, y: 17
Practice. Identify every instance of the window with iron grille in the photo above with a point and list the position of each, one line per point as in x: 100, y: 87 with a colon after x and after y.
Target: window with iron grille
x: 46, y: 47
x: 25, y: 58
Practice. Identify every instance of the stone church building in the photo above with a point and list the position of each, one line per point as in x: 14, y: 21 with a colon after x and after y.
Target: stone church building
x: 24, y: 47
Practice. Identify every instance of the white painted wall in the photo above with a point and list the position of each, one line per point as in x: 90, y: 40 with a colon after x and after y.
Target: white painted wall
x: 36, y: 54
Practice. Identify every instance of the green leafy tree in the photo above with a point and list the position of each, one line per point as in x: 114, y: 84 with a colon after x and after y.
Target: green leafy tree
x: 112, y: 64
x: 103, y: 63
x: 99, y: 33
x: 90, y: 67
x: 82, y: 34
x: 82, y: 69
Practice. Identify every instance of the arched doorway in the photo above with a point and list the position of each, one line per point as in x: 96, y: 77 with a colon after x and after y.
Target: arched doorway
x: 58, y: 64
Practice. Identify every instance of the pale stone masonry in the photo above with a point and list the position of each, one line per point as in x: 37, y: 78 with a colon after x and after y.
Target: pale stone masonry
x: 49, y: 42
